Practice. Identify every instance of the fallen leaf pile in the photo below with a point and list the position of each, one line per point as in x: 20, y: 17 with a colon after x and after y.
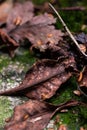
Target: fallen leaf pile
x: 46, y: 76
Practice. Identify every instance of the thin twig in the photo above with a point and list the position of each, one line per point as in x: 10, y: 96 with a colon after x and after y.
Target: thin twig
x: 77, y: 8
x: 68, y: 31
x: 45, y: 8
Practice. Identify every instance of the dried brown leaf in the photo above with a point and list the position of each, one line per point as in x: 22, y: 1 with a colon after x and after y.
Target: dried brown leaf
x: 39, y: 31
x: 43, y: 79
x: 21, y: 13
x: 38, y: 114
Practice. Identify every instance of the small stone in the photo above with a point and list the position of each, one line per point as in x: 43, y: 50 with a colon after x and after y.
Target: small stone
x: 51, y: 124
x: 19, y: 79
x: 64, y: 110
x: 77, y: 92
x: 13, y: 78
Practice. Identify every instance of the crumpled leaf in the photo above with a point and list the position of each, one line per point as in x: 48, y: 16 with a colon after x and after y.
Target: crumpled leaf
x: 6, y: 41
x: 43, y: 79
x: 21, y: 13
x: 39, y: 31
x: 34, y: 115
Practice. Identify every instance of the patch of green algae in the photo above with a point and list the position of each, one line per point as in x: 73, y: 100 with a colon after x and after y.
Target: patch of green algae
x: 5, y: 110
x: 4, y: 61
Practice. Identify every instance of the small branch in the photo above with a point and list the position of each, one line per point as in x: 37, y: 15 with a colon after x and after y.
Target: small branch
x: 77, y: 8
x: 68, y: 31
x: 46, y: 8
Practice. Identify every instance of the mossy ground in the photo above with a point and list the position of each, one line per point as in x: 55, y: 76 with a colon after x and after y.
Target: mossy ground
x: 76, y: 116
x: 5, y: 110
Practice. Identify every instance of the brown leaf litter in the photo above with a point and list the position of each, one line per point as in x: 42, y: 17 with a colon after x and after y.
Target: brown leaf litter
x: 46, y: 76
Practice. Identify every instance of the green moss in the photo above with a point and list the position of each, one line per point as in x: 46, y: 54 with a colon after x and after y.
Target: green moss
x: 5, y: 110
x: 25, y: 58
x: 74, y: 20
x: 65, y: 92
x: 70, y: 119
x: 73, y: 118
x: 4, y: 61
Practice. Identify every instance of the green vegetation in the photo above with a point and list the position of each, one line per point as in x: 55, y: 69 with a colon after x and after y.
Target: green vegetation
x: 5, y: 110
x: 25, y: 58
x: 4, y: 61
x: 76, y: 116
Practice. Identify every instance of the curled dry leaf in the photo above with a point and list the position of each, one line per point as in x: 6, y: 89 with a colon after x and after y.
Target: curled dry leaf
x: 43, y: 79
x: 34, y: 114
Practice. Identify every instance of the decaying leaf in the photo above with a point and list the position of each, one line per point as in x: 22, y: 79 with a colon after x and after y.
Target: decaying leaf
x: 12, y: 18
x: 34, y: 114
x: 39, y: 31
x: 21, y: 13
x: 43, y: 79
